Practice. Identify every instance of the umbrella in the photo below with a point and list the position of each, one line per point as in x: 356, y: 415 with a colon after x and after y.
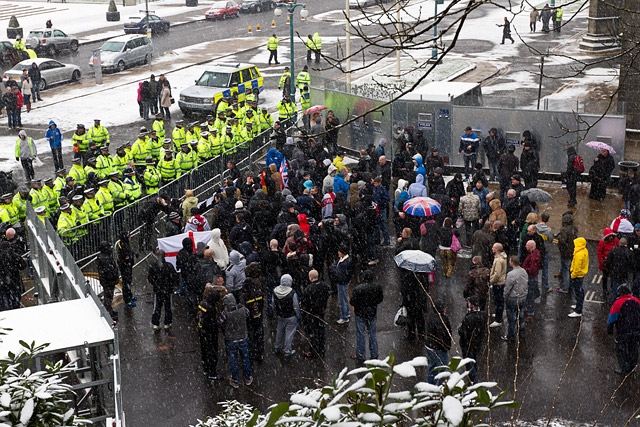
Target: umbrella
x: 537, y: 195
x: 315, y: 109
x: 421, y: 206
x: 600, y: 146
x: 415, y: 260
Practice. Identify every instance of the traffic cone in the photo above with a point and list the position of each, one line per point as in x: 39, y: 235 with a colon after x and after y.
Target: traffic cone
x: 273, y: 23
x: 257, y: 27
x: 249, y: 29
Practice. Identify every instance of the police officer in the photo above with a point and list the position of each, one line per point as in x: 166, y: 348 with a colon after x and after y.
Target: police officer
x: 151, y: 177
x: 38, y: 197
x: 140, y: 149
x: 155, y: 144
x: 116, y: 188
x: 211, y: 123
x: 99, y: 134
x: 179, y: 134
x: 220, y: 122
x: 305, y: 103
x: 286, y: 111
x: 77, y: 172
x: 193, y: 132
x: 91, y: 166
x: 285, y: 82
x: 67, y: 221
x: 132, y: 186
x: 169, y: 167
x: 52, y: 196
x: 60, y: 181
x: 184, y: 159
x: 272, y: 47
x: 120, y: 160
x: 81, y: 217
x: 223, y: 105
x: 216, y: 144
x: 204, y: 147
x: 19, y: 202
x: 104, y: 163
x: 80, y: 141
x: 265, y: 119
x: 158, y: 126
x: 8, y: 212
x: 104, y: 197
x: 304, y: 78
x: 91, y: 207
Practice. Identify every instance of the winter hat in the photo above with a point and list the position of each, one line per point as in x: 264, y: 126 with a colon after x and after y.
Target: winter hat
x: 290, y: 199
x: 326, y: 163
x: 332, y: 168
x: 286, y: 280
x: 239, y: 205
x: 308, y: 184
x: 625, y: 213
x: 286, y: 192
x: 637, y: 226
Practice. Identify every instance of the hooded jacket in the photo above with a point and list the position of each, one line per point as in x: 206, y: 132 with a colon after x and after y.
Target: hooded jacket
x: 498, y: 275
x: 285, y: 299
x: 235, y: 272
x: 340, y: 185
x: 417, y: 189
x: 107, y: 268
x: 186, y: 262
x: 580, y: 262
x: 220, y: 252
x: 608, y: 242
x: 233, y: 319
x: 567, y: 234
x: 189, y: 203
x: 420, y: 169
x: 545, y: 233
x: 438, y: 327
x: 54, y: 136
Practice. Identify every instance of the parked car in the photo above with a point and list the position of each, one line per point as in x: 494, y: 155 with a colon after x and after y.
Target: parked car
x: 52, y: 72
x: 256, y: 6
x: 222, y: 10
x: 219, y: 81
x: 9, y: 56
x: 50, y: 41
x: 137, y: 25
x: 121, y: 52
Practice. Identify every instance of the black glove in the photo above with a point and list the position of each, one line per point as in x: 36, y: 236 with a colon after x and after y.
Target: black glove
x: 17, y: 159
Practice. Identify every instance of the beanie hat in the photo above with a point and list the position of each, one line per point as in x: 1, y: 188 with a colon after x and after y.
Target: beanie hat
x: 239, y: 205
x: 286, y: 280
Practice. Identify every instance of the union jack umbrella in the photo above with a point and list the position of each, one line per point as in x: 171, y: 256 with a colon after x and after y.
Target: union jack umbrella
x: 421, y: 206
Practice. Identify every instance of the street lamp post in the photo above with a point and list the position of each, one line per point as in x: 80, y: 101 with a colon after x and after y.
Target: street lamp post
x: 291, y: 7
x: 434, y: 48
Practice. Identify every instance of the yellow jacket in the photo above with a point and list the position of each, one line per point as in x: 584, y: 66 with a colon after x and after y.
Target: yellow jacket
x: 580, y: 263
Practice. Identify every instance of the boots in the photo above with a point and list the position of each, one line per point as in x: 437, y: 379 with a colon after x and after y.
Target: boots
x: 28, y: 108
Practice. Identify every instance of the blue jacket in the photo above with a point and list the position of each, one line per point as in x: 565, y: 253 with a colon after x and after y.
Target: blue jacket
x: 417, y: 189
x: 381, y: 197
x: 420, y: 169
x: 54, y: 136
x: 471, y: 140
x: 340, y: 185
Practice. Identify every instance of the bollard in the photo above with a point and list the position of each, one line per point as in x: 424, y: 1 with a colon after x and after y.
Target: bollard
x: 273, y: 23
x: 249, y: 29
x: 257, y: 27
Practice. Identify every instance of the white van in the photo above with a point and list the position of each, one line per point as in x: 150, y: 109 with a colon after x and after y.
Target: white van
x: 121, y: 52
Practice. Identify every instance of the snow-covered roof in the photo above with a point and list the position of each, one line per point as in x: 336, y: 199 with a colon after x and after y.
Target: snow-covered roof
x: 440, y: 91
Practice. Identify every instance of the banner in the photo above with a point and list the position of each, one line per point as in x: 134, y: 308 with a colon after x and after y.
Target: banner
x: 171, y: 245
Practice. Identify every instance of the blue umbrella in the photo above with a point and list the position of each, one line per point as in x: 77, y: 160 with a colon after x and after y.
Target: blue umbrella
x: 415, y: 260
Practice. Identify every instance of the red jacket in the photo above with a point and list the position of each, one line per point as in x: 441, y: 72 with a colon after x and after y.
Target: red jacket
x: 604, y: 247
x: 20, y: 103
x: 532, y: 263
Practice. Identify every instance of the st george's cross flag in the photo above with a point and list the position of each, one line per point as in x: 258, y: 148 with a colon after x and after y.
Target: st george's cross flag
x: 172, y: 245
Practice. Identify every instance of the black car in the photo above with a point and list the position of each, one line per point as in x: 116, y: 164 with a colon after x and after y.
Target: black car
x: 137, y: 25
x: 256, y: 6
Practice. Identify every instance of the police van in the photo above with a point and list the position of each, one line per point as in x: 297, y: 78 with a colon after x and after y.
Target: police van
x: 219, y: 81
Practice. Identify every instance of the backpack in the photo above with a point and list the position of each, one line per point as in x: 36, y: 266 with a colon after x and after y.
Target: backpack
x: 578, y: 164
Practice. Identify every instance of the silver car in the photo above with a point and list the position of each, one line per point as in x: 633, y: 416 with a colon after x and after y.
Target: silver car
x: 52, y: 72
x: 50, y: 41
x: 121, y: 52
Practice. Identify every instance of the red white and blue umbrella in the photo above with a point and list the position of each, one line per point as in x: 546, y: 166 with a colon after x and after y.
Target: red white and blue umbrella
x: 422, y: 206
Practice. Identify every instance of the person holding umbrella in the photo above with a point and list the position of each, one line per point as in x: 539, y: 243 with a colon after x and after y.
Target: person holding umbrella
x: 600, y: 171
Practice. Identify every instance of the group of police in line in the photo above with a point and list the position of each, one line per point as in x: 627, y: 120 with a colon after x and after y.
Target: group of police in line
x: 98, y: 183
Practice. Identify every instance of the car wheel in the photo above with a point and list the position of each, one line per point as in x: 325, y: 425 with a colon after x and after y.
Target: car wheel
x: 146, y: 59
x: 43, y: 84
x: 51, y: 51
x: 165, y: 29
x: 75, y: 76
x: 121, y: 65
x: 73, y: 46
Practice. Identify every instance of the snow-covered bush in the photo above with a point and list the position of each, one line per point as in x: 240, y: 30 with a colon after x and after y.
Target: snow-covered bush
x: 34, y: 399
x: 371, y: 396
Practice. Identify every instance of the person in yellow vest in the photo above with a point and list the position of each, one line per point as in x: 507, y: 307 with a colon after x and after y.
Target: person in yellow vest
x: 158, y: 126
x: 238, y: 113
x: 77, y: 172
x: 104, y: 197
x: 227, y: 141
x: 220, y: 122
x: 557, y: 23
x: 250, y: 118
x: 42, y: 214
x: 19, y: 202
x: 304, y: 78
x: 81, y: 217
x: 32, y: 53
x: 104, y: 163
x: 67, y: 221
x: 169, y: 167
x: 317, y: 43
x: 60, y: 181
x: 211, y: 123
x: 311, y: 47
x: 140, y: 150
x: 167, y: 145
x: 184, y: 159
x: 286, y: 110
x: 38, y: 197
x: 91, y: 207
x: 246, y: 136
x: 19, y: 43
x: 151, y: 177
x: 193, y: 133
x: 52, y: 196
x: 131, y: 185
x: 120, y: 160
x: 223, y: 105
x: 285, y: 82
x: 194, y: 153
x: 80, y: 142
x: 265, y: 119
x: 155, y: 144
x: 91, y: 166
x: 179, y: 135
x: 99, y: 134
x: 8, y: 212
x: 305, y: 102
x: 272, y: 47
x: 216, y: 144
x: 116, y: 188
x: 204, y: 147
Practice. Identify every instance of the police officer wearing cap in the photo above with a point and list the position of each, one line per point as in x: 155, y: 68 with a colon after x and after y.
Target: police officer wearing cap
x: 132, y: 186
x: 216, y: 144
x: 91, y: 207
x: 168, y: 167
x: 285, y: 82
x: 91, y: 166
x: 68, y: 187
x: 193, y: 132
x: 81, y: 217
x: 211, y: 123
x: 52, y: 196
x: 184, y: 159
x: 80, y: 141
x: 221, y: 122
x: 120, y: 160
x: 77, y: 172
x: 19, y: 202
x: 155, y: 144
x: 60, y: 181
x: 204, y: 147
x: 223, y: 105
x: 66, y: 223
x: 99, y: 134
x: 104, y: 197
x: 228, y: 142
x: 158, y: 126
x: 42, y: 213
x: 286, y: 111
x: 179, y: 134
x: 104, y: 163
x: 117, y: 190
x: 151, y: 177
x: 140, y: 149
x: 38, y: 197
x: 167, y: 144
x: 265, y: 120
x: 8, y: 212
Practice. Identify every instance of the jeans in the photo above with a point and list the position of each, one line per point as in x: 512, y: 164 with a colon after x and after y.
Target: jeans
x: 576, y: 285
x: 498, y: 301
x: 11, y: 117
x: 285, y: 332
x: 493, y: 170
x: 469, y: 162
x: 366, y: 326
x: 565, y: 266
x: 233, y: 348
x: 165, y: 112
x: 470, y: 227
x: 533, y: 292
x: 57, y: 158
x: 371, y: 245
x: 572, y: 189
x: 545, y: 273
x: 436, y: 358
x: 515, y: 317
x: 35, y: 91
x: 343, y: 300
x: 146, y: 108
x: 382, y: 226
x: 17, y: 120
x: 160, y: 301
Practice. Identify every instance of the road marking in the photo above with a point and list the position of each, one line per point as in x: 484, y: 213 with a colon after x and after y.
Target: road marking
x: 597, y: 279
x: 590, y: 297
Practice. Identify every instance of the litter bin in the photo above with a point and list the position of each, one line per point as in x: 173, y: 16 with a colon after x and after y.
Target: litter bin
x: 627, y: 166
